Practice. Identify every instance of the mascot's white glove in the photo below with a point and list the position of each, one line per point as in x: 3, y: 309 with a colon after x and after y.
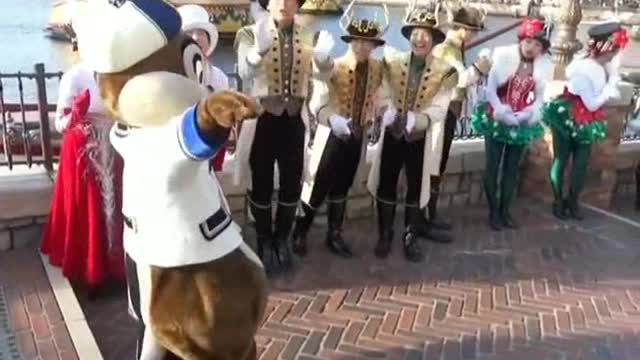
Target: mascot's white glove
x: 323, y: 46
x: 339, y: 125
x: 411, y: 121
x: 389, y: 116
x: 262, y: 42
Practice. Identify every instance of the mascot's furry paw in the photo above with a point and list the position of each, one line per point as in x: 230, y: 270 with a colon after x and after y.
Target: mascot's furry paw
x: 225, y: 109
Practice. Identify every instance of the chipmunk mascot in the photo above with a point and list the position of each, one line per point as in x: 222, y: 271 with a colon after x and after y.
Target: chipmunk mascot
x: 195, y: 287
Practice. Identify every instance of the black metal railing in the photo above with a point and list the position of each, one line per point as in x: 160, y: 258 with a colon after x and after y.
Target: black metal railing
x: 27, y: 140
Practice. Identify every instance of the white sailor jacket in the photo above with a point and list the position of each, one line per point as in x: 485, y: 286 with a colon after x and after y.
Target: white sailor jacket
x: 174, y: 210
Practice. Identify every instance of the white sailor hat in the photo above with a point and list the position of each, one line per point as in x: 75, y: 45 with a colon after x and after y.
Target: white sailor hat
x: 114, y: 35
x: 195, y: 17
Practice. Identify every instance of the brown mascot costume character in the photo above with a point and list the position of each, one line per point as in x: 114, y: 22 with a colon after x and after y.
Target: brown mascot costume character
x: 196, y: 289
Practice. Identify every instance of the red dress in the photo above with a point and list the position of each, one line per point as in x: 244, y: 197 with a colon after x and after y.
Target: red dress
x: 83, y: 234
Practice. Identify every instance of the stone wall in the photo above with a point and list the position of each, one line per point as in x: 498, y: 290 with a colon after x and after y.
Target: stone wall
x: 24, y: 203
x: 24, y: 199
x: 20, y: 232
x: 628, y: 160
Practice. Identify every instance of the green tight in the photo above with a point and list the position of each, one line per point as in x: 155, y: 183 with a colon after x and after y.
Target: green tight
x: 510, y: 156
x: 562, y: 148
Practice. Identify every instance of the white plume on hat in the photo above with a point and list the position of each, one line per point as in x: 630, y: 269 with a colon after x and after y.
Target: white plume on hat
x: 112, y: 38
x: 195, y: 17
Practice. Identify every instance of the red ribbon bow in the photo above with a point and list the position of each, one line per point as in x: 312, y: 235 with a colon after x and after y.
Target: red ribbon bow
x: 620, y: 38
x: 530, y: 28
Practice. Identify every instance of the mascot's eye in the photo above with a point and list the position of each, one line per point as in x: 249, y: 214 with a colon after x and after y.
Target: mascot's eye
x: 194, y: 63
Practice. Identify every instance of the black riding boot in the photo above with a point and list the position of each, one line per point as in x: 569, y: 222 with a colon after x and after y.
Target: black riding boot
x: 335, y: 242
x: 436, y: 222
x: 285, y: 217
x: 264, y: 232
x: 303, y: 224
x: 386, y: 215
x: 411, y: 245
x: 424, y: 229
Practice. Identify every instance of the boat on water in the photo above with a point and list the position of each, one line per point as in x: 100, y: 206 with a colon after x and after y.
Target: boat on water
x: 59, y: 25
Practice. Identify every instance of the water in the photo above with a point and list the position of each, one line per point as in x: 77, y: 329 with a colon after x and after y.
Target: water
x: 23, y: 43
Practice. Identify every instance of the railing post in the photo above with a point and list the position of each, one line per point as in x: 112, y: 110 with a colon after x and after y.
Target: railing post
x: 565, y: 44
x: 45, y: 130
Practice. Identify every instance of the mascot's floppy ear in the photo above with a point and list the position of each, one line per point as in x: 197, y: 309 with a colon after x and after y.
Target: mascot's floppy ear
x: 123, y: 40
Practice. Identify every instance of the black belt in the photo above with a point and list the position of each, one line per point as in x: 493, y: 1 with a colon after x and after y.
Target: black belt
x: 213, y: 226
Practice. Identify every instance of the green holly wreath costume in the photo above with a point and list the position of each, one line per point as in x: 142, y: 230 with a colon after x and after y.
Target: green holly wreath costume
x: 577, y: 119
x: 509, y: 144
x: 569, y: 139
x: 510, y: 117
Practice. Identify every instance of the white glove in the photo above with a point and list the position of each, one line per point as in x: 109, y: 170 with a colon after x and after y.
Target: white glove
x: 389, y: 116
x: 485, y: 53
x: 323, y: 47
x: 411, y: 121
x: 523, y: 117
x: 501, y: 111
x: 339, y: 125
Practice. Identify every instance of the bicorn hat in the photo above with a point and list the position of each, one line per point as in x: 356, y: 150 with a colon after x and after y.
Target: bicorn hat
x: 265, y: 3
x: 423, y: 18
x: 195, y: 17
x: 468, y: 17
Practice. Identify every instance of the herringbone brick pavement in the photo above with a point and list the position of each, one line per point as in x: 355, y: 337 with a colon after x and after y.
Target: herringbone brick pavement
x: 546, y: 291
